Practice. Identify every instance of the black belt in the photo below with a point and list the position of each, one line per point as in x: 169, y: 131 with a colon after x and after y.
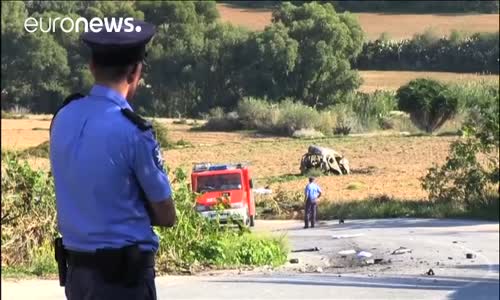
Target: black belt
x: 90, y: 260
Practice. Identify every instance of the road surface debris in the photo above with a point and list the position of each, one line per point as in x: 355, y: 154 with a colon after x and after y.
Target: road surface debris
x: 364, y: 254
x: 401, y: 250
x: 347, y: 252
x: 346, y: 236
x: 307, y: 250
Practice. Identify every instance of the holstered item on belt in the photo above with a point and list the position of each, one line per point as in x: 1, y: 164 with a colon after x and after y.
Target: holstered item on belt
x: 125, y: 266
x: 60, y: 256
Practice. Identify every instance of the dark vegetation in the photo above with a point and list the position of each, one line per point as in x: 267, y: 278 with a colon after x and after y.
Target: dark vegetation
x: 196, y: 63
x: 476, y: 53
x: 428, y: 102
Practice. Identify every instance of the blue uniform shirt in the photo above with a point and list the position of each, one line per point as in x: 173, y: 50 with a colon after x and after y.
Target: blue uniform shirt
x: 312, y: 191
x: 100, y: 160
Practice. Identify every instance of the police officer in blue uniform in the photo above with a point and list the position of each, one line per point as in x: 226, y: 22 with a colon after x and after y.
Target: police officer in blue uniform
x: 110, y: 183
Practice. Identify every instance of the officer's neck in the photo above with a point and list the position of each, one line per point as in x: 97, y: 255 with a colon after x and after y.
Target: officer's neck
x: 121, y: 88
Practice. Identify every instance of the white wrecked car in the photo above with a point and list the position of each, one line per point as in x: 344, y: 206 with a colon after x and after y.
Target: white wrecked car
x: 327, y: 160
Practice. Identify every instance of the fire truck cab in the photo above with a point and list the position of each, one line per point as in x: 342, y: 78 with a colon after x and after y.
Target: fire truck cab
x: 224, y: 181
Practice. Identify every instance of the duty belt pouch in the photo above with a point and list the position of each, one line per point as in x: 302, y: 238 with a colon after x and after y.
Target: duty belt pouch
x: 121, y: 266
x: 111, y: 265
x: 134, y: 267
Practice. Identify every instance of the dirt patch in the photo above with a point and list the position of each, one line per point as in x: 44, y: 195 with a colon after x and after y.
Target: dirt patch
x: 376, y: 161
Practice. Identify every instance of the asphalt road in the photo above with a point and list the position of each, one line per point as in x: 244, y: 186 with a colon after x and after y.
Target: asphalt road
x: 440, y: 245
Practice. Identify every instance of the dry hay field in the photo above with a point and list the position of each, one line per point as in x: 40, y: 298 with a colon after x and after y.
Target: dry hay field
x: 398, y: 26
x: 392, y: 80
x: 390, y: 165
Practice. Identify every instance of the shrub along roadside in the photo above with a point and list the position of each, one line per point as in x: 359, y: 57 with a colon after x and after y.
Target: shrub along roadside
x: 470, y: 177
x: 286, y: 205
x: 29, y: 226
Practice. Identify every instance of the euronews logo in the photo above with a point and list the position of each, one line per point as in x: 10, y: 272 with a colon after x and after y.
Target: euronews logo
x: 81, y: 24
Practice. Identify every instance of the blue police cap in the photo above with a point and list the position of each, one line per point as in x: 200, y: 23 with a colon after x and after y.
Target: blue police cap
x: 112, y: 48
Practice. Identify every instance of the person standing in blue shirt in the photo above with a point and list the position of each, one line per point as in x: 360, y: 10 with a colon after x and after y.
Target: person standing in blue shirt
x: 111, y: 186
x: 312, y: 195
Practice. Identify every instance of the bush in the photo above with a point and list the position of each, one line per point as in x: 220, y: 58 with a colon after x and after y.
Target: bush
x: 296, y: 116
x: 41, y: 151
x: 287, y: 118
x: 161, y: 133
x: 29, y: 226
x: 220, y: 121
x: 399, y: 121
x: 345, y: 119
x: 371, y: 109
x: 471, y: 93
x: 429, y: 103
x: 28, y: 212
x: 470, y: 177
x: 281, y: 204
x: 357, y: 112
x: 258, y: 114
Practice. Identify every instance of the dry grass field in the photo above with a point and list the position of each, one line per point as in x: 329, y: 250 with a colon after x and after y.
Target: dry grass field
x: 392, y: 80
x: 398, y: 26
x: 389, y: 165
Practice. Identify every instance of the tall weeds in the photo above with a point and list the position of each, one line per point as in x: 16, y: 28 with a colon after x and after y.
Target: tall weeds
x: 29, y: 226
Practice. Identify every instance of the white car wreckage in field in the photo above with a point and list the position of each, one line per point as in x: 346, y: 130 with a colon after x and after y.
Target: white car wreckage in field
x: 327, y: 160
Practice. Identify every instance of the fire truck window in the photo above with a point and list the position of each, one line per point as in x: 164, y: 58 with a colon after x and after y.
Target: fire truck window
x: 219, y: 183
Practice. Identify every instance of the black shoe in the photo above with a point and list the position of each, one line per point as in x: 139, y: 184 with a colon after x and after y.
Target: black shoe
x: 305, y: 227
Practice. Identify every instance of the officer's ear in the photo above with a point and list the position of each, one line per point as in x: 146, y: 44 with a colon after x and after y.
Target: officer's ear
x: 134, y: 73
x: 92, y: 67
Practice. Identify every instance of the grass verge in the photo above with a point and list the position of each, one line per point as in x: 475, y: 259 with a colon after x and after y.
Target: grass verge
x: 288, y: 205
x: 194, y: 244
x: 384, y: 207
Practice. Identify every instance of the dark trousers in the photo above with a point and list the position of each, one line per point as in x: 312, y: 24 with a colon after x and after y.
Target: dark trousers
x: 310, y: 213
x: 87, y: 284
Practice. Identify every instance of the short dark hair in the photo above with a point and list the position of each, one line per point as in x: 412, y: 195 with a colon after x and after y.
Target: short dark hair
x: 311, y: 179
x: 112, y: 73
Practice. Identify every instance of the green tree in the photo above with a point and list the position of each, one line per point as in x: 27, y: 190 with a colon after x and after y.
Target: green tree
x: 172, y: 55
x: 180, y: 56
x: 48, y: 72
x: 110, y: 9
x: 61, y: 7
x: 327, y: 42
x: 218, y: 70
x: 429, y: 103
x: 272, y: 57
x: 13, y: 16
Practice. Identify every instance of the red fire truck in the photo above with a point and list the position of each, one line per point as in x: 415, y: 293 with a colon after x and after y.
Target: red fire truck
x: 224, y: 181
